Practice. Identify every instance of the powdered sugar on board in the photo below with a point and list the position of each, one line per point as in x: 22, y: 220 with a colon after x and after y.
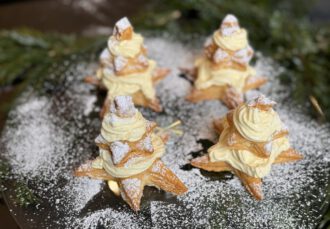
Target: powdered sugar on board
x: 293, y: 192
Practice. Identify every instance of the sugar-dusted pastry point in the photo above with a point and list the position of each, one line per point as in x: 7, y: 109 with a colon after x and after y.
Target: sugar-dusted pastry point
x: 224, y: 67
x: 208, y: 42
x: 122, y: 24
x: 230, y: 19
x: 101, y: 142
x: 125, y: 69
x: 243, y: 56
x: 146, y: 144
x: 123, y: 106
x: 123, y: 29
x: 229, y: 25
x: 261, y: 102
x: 143, y: 59
x: 250, y: 142
x: 132, y: 191
x: 129, y: 155
x: 118, y: 151
x: 120, y: 62
x: 268, y: 147
x: 220, y: 55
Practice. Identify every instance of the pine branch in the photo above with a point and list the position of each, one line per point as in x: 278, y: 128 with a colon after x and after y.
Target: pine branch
x: 27, y: 54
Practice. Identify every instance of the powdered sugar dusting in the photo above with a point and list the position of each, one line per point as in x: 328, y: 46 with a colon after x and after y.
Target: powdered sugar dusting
x: 230, y: 18
x: 143, y: 59
x: 118, y: 151
x: 123, y: 24
x: 146, y: 144
x: 220, y: 55
x: 268, y: 147
x: 294, y: 192
x: 118, y: 219
x: 123, y: 105
x: 38, y: 144
x: 261, y: 100
x: 244, y: 55
x: 229, y: 25
x: 227, y: 31
x: 132, y: 187
x: 120, y: 63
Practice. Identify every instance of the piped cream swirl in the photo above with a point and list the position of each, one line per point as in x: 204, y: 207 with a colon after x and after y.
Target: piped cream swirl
x: 256, y: 125
x: 126, y: 48
x: 234, y: 42
x: 208, y: 77
x: 115, y: 128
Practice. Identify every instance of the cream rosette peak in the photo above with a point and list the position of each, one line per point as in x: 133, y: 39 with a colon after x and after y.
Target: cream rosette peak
x: 123, y: 122
x: 257, y: 121
x: 230, y: 36
x: 229, y: 25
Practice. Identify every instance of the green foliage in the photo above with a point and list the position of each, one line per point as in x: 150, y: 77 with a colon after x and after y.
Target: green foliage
x: 24, y: 195
x: 279, y: 28
x: 4, y: 173
x: 28, y: 54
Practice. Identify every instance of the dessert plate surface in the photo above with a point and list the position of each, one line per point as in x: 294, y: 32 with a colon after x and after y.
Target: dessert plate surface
x: 52, y: 128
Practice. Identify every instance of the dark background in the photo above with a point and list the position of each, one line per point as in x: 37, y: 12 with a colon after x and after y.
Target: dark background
x: 86, y: 17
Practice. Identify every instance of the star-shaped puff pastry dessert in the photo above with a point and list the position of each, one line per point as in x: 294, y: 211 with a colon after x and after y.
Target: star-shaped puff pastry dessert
x: 252, y: 138
x: 130, y: 153
x: 223, y: 71
x: 126, y: 70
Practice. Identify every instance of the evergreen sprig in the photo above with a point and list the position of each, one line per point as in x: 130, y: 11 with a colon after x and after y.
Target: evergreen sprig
x: 25, y: 196
x: 4, y: 173
x: 27, y: 54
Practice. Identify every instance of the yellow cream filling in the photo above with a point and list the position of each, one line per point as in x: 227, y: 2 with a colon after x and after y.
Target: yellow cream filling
x: 245, y: 160
x: 131, y: 83
x: 208, y: 77
x: 127, y: 48
x: 115, y: 128
x: 234, y: 42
